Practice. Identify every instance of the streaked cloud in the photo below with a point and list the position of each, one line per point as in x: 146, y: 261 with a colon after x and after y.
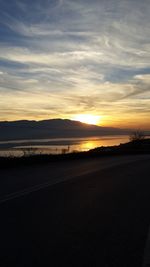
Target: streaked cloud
x: 58, y: 58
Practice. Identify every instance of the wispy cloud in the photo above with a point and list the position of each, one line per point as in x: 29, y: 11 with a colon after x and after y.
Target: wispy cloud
x: 61, y: 57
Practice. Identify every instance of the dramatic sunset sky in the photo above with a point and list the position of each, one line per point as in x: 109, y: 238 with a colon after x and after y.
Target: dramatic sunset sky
x: 68, y: 58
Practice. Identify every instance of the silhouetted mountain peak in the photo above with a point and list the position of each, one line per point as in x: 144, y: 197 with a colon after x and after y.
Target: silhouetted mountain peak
x: 53, y: 128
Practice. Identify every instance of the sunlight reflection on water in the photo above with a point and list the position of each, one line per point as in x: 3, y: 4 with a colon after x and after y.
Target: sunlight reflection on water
x: 57, y: 146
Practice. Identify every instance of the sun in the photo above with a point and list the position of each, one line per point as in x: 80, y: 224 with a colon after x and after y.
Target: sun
x: 87, y: 118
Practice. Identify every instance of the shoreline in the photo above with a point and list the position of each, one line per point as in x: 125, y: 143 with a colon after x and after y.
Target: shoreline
x: 130, y: 148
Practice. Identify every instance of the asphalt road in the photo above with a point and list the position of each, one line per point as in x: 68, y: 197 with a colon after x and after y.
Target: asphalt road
x: 76, y: 213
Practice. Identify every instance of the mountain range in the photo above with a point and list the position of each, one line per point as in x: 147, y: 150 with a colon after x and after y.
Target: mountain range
x: 53, y: 128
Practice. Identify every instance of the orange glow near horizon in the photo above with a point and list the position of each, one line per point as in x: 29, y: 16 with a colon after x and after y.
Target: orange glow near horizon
x: 122, y: 121
x: 88, y: 118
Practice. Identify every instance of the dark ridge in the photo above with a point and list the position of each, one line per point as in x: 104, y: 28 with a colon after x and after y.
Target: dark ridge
x: 55, y: 128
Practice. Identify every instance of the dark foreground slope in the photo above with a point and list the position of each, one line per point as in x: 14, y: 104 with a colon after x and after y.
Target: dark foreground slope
x: 99, y: 218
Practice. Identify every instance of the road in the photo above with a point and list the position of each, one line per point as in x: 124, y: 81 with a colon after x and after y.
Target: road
x: 91, y: 212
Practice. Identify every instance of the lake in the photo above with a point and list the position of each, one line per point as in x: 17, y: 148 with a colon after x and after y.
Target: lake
x: 58, y: 145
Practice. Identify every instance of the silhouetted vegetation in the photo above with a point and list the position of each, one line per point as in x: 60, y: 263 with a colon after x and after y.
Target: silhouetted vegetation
x: 29, y: 151
x: 136, y: 136
x: 134, y: 147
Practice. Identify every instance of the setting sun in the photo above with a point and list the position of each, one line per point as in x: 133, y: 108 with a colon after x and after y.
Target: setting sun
x: 87, y: 118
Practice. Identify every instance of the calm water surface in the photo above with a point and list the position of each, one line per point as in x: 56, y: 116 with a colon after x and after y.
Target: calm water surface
x: 57, y: 146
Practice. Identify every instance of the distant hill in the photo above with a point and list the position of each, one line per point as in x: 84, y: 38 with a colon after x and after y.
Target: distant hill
x: 55, y: 128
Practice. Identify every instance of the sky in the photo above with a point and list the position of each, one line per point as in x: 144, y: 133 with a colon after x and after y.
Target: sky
x: 62, y: 58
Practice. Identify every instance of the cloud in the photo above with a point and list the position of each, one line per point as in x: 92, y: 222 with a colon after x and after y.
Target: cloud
x: 70, y: 56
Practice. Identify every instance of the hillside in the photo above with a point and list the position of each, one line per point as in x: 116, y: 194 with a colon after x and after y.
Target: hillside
x: 55, y: 128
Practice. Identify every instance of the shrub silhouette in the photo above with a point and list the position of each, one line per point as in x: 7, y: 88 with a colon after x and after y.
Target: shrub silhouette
x: 136, y: 136
x: 29, y: 151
